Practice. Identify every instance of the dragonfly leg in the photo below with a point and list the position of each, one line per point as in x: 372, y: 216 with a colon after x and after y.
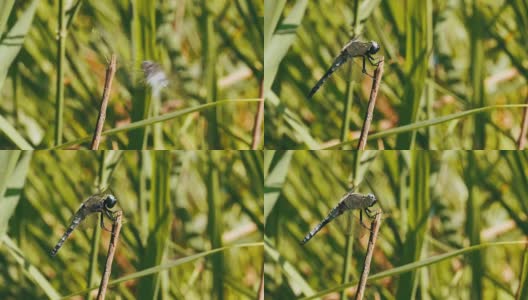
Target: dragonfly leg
x: 361, y: 219
x: 102, y: 220
x: 365, y: 69
x: 372, y: 60
x: 109, y: 214
x: 369, y: 213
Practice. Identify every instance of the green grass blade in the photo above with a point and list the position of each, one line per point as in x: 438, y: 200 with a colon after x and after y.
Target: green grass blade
x: 209, y: 54
x: 418, y: 208
x: 281, y: 41
x: 288, y: 269
x: 5, y: 9
x: 15, y: 165
x: 143, y: 25
x: 31, y: 270
x: 418, y: 46
x: 477, y: 72
x: 473, y: 226
x: 167, y: 265
x: 395, y: 272
x: 153, y: 120
x: 215, y: 225
x: 160, y: 217
x: 13, y: 39
x: 13, y: 135
x: 272, y: 12
x: 276, y: 175
x: 61, y: 64
x: 302, y: 131
x: 522, y: 292
x: 427, y: 123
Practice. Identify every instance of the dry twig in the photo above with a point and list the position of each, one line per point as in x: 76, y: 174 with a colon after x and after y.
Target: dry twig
x: 110, y: 71
x: 375, y: 226
x: 116, y: 228
x: 372, y: 103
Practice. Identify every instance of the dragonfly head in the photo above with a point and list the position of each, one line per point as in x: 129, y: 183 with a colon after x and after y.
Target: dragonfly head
x: 372, y: 199
x: 110, y: 201
x: 374, y: 48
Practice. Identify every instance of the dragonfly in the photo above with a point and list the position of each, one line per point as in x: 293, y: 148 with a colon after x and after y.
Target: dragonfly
x: 349, y: 201
x: 98, y: 203
x: 354, y: 48
x: 154, y: 74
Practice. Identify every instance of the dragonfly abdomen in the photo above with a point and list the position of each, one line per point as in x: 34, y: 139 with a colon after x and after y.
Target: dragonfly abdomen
x: 316, y: 229
x: 73, y: 225
x: 334, y: 213
x: 341, y: 59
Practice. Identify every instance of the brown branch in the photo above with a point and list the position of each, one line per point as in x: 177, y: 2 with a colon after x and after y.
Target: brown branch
x: 110, y: 71
x: 257, y: 125
x: 116, y: 228
x: 372, y: 103
x: 521, y: 142
x: 375, y: 226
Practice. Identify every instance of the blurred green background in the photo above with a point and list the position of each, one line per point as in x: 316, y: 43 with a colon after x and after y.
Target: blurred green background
x: 212, y: 51
x: 451, y: 225
x: 178, y: 207
x: 449, y: 68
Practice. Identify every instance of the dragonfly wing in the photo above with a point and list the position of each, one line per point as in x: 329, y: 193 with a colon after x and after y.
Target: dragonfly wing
x: 357, y: 48
x: 340, y: 60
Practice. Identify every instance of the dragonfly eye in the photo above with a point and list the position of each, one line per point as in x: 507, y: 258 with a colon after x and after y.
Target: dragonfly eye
x: 374, y: 48
x: 110, y: 201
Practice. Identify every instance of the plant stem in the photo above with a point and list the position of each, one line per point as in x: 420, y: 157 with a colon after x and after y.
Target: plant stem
x: 61, y: 52
x: 104, y: 103
x: 116, y: 228
x: 372, y: 103
x: 375, y: 226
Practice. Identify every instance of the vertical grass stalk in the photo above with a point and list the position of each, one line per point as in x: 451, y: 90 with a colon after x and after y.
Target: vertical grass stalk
x: 209, y: 54
x: 417, y: 216
x: 160, y: 215
x: 477, y: 76
x: 473, y: 228
x: 349, y: 241
x: 61, y: 53
x: 351, y: 84
x: 214, y: 225
x: 143, y: 47
x: 419, y: 41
